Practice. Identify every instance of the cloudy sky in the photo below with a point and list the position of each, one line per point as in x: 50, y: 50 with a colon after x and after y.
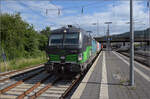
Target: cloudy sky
x: 42, y: 13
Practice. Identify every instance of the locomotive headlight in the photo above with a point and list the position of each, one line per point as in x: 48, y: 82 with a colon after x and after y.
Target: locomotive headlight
x: 80, y: 57
x: 62, y: 57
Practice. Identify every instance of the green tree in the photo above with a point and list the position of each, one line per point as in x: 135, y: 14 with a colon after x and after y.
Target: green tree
x: 46, y: 31
x: 43, y: 38
x: 18, y: 38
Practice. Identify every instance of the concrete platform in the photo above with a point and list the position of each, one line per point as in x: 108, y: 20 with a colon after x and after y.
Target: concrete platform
x: 108, y: 78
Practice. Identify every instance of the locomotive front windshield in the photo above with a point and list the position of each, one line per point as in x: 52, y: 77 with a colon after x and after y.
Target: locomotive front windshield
x: 71, y: 38
x: 56, y: 39
x: 65, y: 39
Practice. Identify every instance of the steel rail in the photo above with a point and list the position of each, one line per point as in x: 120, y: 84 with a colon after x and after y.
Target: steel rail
x: 11, y: 72
x: 44, y: 89
x: 33, y: 87
x: 2, y: 80
x: 142, y: 55
x: 19, y: 82
x: 137, y: 54
x: 142, y: 62
x: 70, y: 87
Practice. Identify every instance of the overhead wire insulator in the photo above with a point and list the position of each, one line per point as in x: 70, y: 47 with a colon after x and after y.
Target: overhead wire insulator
x: 46, y: 11
x: 82, y: 11
x: 58, y: 11
x: 147, y: 3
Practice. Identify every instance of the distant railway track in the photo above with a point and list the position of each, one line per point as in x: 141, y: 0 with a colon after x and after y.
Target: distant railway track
x: 9, y: 87
x: 144, y: 55
x: 139, y: 57
x: 21, y: 70
x: 9, y: 75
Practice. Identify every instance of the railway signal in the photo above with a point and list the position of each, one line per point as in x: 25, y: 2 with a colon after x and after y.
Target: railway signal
x: 4, y: 59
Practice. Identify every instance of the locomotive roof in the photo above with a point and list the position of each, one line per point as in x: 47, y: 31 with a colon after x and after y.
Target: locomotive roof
x: 72, y: 29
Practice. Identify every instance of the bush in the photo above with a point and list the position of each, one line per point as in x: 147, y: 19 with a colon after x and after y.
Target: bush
x: 20, y: 41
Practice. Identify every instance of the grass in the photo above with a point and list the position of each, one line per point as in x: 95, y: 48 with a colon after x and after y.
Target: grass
x: 133, y: 88
x: 22, y: 63
x: 124, y: 81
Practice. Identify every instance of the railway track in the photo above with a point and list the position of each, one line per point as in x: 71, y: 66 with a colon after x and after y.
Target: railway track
x: 144, y: 55
x: 143, y: 59
x: 39, y: 84
x: 13, y: 74
x: 21, y: 70
x: 34, y: 83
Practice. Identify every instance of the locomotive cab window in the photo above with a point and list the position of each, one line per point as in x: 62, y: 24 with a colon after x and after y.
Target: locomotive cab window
x: 56, y: 39
x: 71, y: 38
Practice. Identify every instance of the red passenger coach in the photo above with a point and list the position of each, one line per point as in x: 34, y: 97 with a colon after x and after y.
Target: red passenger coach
x: 101, y: 46
x: 98, y: 46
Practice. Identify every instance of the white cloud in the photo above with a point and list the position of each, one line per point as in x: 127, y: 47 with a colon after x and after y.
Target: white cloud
x: 41, y: 7
x: 118, y: 14
x: 11, y: 7
x: 69, y: 11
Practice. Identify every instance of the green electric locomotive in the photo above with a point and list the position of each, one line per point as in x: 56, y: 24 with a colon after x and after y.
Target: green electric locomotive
x: 69, y: 50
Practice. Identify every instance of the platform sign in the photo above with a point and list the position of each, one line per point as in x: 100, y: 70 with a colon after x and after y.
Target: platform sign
x: 4, y: 57
x: 109, y: 39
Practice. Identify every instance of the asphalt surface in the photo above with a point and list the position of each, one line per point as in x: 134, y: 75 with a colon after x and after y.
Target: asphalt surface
x: 118, y: 79
x: 92, y: 88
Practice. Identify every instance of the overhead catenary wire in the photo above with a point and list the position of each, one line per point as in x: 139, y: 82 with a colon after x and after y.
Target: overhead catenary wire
x: 83, y: 7
x: 66, y: 8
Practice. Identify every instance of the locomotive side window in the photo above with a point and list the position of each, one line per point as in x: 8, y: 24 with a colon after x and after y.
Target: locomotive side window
x: 56, y: 39
x: 71, y: 38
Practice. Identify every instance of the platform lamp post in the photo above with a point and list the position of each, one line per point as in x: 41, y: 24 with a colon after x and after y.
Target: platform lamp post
x: 131, y: 75
x: 89, y: 32
x: 77, y: 25
x: 148, y: 5
x: 148, y: 36
x: 107, y: 36
x: 131, y: 45
x: 96, y: 29
x: 97, y: 26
